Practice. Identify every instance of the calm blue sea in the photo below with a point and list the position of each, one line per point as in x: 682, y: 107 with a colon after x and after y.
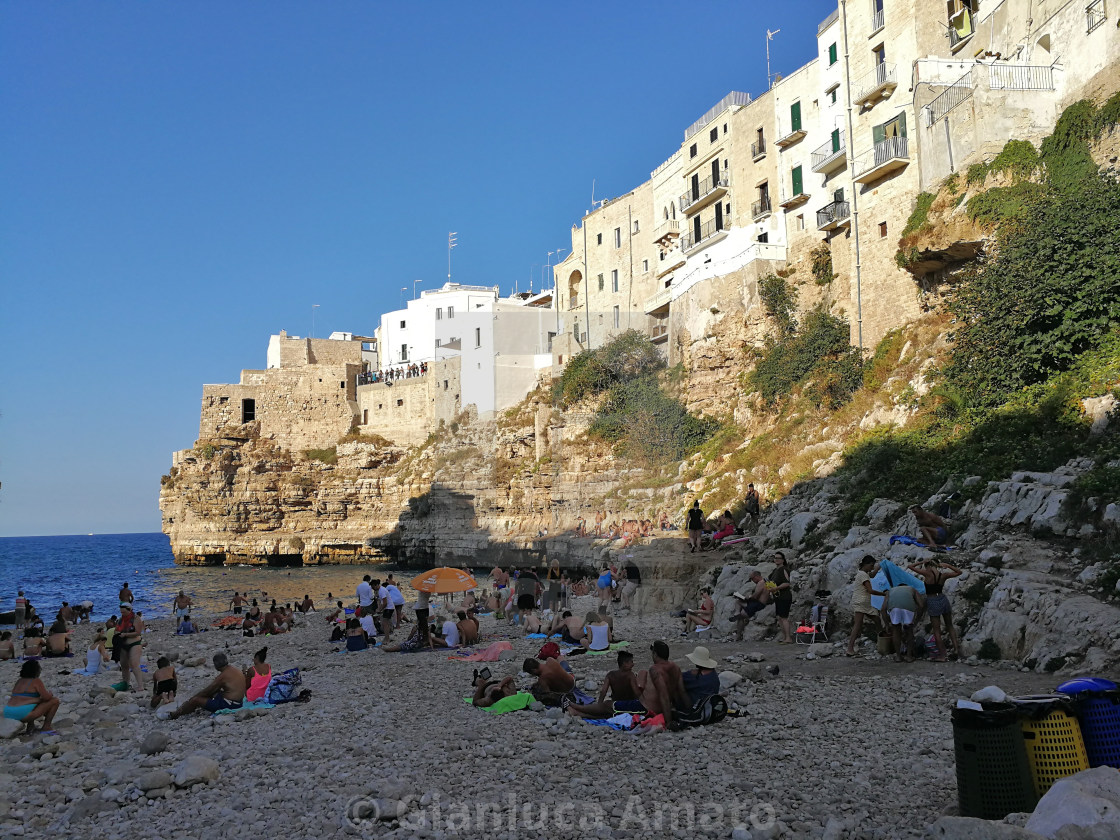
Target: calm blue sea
x: 51, y: 570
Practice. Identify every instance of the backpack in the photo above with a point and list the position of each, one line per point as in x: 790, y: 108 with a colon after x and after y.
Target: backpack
x: 282, y: 687
x: 711, y: 709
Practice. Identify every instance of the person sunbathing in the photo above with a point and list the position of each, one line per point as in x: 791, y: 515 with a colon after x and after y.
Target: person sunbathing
x: 227, y: 691
x: 624, y: 689
x: 487, y: 692
x: 164, y: 683
x: 726, y: 527
x: 468, y: 628
x: 701, y: 617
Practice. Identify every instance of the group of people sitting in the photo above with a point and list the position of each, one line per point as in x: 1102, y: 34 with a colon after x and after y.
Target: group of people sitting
x: 629, y: 530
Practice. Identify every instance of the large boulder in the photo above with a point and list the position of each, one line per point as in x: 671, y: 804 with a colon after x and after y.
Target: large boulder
x: 1087, y: 799
x: 971, y: 828
x: 194, y: 769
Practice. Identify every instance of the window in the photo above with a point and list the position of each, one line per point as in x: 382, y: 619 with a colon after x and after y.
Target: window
x: 598, y: 239
x: 713, y: 135
x: 439, y: 313
x: 692, y: 151
x: 764, y: 238
x: 798, y: 181
x: 365, y: 416
x: 248, y: 411
x: 439, y: 342
x: 451, y: 312
x: 342, y: 385
x: 445, y: 384
x: 575, y: 331
x: 880, y: 55
x: 478, y: 336
x: 832, y: 96
x: 380, y: 406
x: 223, y: 400
x: 645, y: 265
x: 795, y: 117
x: 635, y: 226
x: 614, y: 280
x: 894, y: 127
x: 600, y: 282
x: 801, y: 221
x: 400, y: 403
x: 725, y: 128
x: 617, y: 318
x: 831, y: 55
x: 618, y: 237
x: 882, y: 230
x: 402, y: 325
x: 727, y: 210
x: 404, y: 352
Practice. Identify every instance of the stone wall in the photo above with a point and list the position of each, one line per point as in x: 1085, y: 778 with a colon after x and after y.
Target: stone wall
x: 299, y: 408
x: 408, y: 410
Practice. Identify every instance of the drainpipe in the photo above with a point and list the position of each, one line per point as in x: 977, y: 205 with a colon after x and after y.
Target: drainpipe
x: 852, y: 163
x: 586, y: 290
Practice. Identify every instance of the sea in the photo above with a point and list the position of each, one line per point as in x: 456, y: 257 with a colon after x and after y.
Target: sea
x: 92, y: 567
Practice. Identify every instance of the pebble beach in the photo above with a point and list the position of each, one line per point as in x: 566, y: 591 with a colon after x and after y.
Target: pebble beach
x: 386, y: 747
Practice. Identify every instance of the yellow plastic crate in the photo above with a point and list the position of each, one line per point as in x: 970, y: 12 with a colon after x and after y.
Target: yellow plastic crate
x: 1055, y: 749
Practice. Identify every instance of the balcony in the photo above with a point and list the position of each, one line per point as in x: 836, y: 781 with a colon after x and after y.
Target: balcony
x: 790, y: 138
x: 667, y: 231
x: 758, y: 150
x: 761, y: 208
x: 658, y: 301
x: 826, y: 159
x: 793, y: 201
x: 833, y: 215
x: 878, y: 84
x: 878, y: 21
x: 659, y: 333
x: 960, y: 29
x: 1094, y: 15
x: 710, y: 231
x: 705, y: 193
x: 884, y: 158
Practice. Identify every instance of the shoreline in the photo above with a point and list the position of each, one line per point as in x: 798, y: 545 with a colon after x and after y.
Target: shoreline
x: 854, y: 726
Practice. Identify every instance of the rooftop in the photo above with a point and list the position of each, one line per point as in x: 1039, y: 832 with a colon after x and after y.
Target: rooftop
x: 736, y: 97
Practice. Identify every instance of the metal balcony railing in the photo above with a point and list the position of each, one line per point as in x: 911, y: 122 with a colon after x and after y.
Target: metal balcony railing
x: 1020, y: 77
x: 1094, y: 15
x: 658, y: 331
x: 758, y: 148
x: 761, y: 207
x: 833, y: 213
x: 707, y: 231
x: 877, y: 20
x: 950, y: 98
x: 954, y: 36
x: 883, y: 152
x: 825, y: 156
x: 883, y: 76
x: 703, y: 189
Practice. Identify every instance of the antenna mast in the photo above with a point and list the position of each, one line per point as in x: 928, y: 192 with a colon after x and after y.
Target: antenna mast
x: 769, y: 37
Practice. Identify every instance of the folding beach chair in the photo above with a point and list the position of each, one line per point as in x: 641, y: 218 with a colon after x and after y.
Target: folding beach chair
x: 815, y: 626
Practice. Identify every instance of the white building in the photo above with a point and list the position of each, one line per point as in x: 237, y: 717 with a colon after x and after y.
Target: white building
x: 502, y: 343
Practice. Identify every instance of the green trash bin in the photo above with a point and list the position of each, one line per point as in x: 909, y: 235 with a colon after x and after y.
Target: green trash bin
x: 993, y: 777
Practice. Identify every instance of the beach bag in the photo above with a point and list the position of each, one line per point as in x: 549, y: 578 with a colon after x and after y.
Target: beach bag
x: 282, y: 687
x: 549, y: 650
x: 711, y: 709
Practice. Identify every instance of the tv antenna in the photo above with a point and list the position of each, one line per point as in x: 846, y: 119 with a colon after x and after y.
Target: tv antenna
x: 769, y: 37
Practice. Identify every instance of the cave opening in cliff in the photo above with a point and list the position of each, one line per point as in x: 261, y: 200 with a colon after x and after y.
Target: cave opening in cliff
x: 285, y: 560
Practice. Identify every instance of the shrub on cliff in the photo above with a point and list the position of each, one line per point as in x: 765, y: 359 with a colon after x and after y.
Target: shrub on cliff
x: 625, y: 357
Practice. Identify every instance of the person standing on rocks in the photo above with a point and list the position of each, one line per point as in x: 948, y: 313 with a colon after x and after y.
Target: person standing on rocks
x: 397, y: 600
x: 753, y: 505
x: 227, y: 691
x: 633, y: 581
x: 861, y: 601
x: 551, y: 597
x: 695, y: 525
x: 422, y: 611
x: 935, y: 573
x: 21, y: 610
x: 130, y: 631
x: 782, y: 596
x: 385, y: 604
x: 181, y: 606
x: 903, y: 604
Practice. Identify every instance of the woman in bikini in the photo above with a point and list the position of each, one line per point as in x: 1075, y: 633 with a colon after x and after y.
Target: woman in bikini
x: 30, y: 700
x: 935, y: 573
x: 129, y: 630
x: 257, y: 677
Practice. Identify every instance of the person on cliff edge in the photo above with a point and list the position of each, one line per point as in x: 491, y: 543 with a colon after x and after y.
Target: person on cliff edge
x: 695, y: 526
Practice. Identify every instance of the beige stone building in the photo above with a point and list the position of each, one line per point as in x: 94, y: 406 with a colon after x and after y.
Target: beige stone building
x: 407, y: 410
x: 307, y: 400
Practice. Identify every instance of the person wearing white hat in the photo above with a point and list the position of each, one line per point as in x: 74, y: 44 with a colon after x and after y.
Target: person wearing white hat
x: 702, y: 681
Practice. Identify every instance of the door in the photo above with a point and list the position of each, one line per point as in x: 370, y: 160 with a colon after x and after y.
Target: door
x: 719, y: 215
x: 715, y: 173
x: 695, y: 230
x: 798, y: 184
x: 835, y: 140
x: 795, y: 117
x: 696, y: 186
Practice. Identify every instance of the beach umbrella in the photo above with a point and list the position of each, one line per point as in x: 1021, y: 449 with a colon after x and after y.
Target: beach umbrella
x: 441, y: 580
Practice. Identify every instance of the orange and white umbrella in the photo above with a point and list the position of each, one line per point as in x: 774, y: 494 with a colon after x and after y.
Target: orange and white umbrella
x: 444, y: 579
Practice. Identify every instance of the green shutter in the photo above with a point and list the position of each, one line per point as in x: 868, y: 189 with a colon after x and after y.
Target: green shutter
x: 838, y: 196
x: 832, y: 54
x: 795, y: 117
x: 877, y: 134
x: 835, y: 140
x: 902, y: 124
x: 797, y: 182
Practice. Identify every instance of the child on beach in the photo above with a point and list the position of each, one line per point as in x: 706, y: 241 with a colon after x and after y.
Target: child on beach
x: 164, y: 683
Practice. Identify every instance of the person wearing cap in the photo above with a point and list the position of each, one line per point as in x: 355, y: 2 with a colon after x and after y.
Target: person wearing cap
x: 702, y: 681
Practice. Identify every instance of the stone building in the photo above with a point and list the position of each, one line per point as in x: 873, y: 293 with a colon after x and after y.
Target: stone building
x: 306, y: 400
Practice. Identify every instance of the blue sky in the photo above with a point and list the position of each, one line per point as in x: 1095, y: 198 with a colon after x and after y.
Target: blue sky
x: 178, y: 181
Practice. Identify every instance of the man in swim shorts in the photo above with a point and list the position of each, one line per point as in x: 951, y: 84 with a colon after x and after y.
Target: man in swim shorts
x: 623, y: 687
x: 934, y: 529
x: 227, y: 691
x: 487, y: 692
x: 182, y: 606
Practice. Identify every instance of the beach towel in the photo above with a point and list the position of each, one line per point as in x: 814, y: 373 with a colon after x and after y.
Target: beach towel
x: 506, y: 704
x: 613, y: 647
x: 229, y: 621
x: 891, y: 575
x: 908, y: 540
x: 623, y: 721
x: 536, y: 635
x: 491, y: 654
x: 260, y: 704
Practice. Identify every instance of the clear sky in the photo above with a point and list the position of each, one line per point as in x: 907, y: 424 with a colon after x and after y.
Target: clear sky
x: 178, y: 181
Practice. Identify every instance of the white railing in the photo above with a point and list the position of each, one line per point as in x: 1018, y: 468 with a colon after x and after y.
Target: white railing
x: 877, y: 21
x: 1020, y: 77
x: 667, y: 228
x: 658, y: 300
x: 736, y: 97
x: 883, y: 75
x: 892, y: 148
x: 826, y: 155
x: 949, y: 98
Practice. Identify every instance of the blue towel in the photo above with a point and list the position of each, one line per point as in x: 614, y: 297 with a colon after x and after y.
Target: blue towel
x: 260, y: 704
